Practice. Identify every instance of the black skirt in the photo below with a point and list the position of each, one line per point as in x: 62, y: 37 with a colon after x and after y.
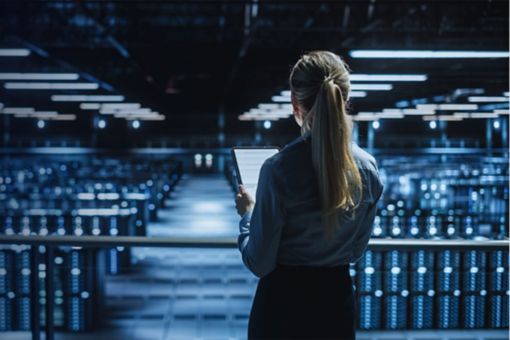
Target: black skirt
x: 299, y: 302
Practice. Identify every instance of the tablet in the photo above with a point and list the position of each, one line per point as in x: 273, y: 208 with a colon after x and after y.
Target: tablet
x: 248, y: 161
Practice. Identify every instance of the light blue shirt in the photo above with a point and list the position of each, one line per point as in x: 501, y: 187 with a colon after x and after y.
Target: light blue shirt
x: 285, y: 224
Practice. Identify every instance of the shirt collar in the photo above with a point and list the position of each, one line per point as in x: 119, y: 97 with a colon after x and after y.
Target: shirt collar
x: 307, y: 135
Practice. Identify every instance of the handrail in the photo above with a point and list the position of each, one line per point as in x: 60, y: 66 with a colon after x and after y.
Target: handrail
x: 226, y: 151
x: 231, y: 242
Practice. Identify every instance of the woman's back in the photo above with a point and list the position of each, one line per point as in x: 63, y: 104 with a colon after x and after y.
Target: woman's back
x: 292, y: 223
x: 305, y: 240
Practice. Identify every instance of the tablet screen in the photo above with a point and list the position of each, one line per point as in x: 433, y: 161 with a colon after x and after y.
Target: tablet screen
x: 248, y: 163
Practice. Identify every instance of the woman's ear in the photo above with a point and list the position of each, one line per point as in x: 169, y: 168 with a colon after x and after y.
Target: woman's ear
x: 298, y: 115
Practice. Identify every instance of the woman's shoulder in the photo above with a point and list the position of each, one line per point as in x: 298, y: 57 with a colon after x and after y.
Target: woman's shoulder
x: 291, y: 158
x: 364, y: 159
x: 369, y: 171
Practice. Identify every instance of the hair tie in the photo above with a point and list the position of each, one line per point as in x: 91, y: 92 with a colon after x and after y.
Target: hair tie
x: 328, y: 78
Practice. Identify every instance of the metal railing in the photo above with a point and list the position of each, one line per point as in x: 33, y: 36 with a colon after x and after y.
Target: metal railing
x: 231, y: 242
x: 226, y: 151
x: 50, y: 242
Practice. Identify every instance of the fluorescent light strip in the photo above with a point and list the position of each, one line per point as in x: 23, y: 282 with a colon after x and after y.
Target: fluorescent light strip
x: 16, y: 110
x: 484, y: 115
x: 82, y: 98
x: 494, y: 106
x: 264, y: 111
x: 408, y: 111
x: 63, y: 117
x: 262, y: 117
x: 125, y: 111
x: 506, y: 94
x: 357, y: 94
x: 279, y: 108
x: 480, y: 99
x: 37, y: 114
x: 150, y: 117
x: 280, y: 99
x: 418, y: 112
x: 39, y: 76
x: 448, y: 107
x: 256, y: 111
x: 51, y: 86
x: 501, y: 112
x: 284, y: 97
x: 393, y: 54
x: 41, y: 114
x: 279, y: 115
x: 121, y: 106
x: 140, y: 112
x: 127, y: 115
x: 365, y: 118
x: 427, y: 106
x: 476, y: 114
x: 392, y: 111
x: 392, y: 115
x: 90, y: 106
x: 449, y: 118
x: 268, y: 106
x: 388, y: 77
x: 14, y: 52
x: 372, y: 87
x: 444, y: 117
x: 462, y: 114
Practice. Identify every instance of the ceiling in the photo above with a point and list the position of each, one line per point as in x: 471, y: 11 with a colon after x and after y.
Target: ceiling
x: 202, y: 63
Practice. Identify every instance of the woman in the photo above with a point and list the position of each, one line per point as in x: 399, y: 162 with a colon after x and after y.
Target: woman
x: 315, y: 206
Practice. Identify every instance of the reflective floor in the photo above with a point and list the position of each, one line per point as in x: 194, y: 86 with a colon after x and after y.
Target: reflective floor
x: 197, y: 293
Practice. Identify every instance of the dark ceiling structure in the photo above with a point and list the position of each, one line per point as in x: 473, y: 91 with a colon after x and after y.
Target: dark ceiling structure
x: 203, y: 63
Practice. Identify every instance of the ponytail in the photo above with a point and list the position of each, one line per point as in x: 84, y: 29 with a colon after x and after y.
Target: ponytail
x: 338, y: 178
x: 338, y: 175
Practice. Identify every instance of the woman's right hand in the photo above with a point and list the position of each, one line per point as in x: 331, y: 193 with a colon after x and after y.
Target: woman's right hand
x: 244, y: 202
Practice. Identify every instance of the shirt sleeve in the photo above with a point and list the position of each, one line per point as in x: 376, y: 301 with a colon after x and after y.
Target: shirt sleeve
x: 261, y: 229
x: 367, y: 222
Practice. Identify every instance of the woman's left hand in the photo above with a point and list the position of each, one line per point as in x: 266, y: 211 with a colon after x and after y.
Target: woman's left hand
x: 244, y: 202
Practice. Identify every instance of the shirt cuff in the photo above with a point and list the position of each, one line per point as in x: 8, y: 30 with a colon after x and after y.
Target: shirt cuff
x: 244, y: 224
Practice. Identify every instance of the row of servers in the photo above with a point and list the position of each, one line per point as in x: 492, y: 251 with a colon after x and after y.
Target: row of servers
x: 443, y: 196
x: 394, y: 289
x: 98, y: 197
x: 432, y: 290
x: 78, y: 282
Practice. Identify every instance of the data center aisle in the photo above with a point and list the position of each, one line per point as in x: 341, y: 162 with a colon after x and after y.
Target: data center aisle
x: 200, y: 206
x: 186, y: 293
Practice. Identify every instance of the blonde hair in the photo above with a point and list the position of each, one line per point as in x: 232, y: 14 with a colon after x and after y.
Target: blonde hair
x: 320, y: 85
